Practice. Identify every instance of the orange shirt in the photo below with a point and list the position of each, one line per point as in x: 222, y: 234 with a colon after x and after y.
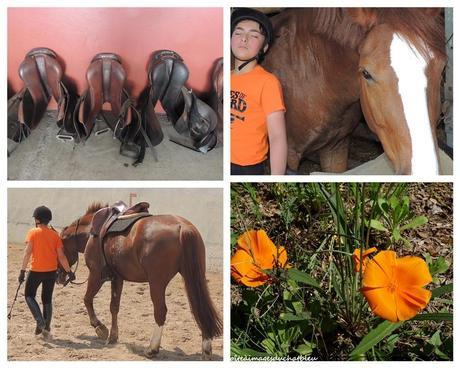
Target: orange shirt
x: 254, y: 96
x: 45, y: 243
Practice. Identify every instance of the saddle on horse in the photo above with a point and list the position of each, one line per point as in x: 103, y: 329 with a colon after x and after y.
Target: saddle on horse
x: 42, y: 76
x: 106, y: 79
x: 115, y: 219
x: 193, y: 120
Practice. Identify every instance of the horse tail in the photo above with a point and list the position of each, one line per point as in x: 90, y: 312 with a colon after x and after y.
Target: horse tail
x: 193, y: 270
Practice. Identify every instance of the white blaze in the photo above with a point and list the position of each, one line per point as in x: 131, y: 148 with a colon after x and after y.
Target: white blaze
x: 409, y: 66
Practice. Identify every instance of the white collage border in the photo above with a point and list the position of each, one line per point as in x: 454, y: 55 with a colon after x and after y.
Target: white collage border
x: 223, y: 184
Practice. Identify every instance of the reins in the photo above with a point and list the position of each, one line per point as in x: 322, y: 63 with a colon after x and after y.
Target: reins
x: 78, y: 260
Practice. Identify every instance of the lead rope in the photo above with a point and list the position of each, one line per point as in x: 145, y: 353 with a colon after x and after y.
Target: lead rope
x: 78, y: 260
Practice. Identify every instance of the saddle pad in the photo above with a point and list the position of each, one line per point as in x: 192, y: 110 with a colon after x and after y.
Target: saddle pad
x: 122, y: 223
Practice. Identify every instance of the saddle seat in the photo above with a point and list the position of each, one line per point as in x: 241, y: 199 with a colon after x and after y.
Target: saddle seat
x: 105, y: 217
x: 106, y: 78
x: 42, y: 75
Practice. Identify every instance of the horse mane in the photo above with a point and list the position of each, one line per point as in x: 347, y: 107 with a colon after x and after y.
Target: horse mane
x: 336, y: 25
x: 94, y: 207
x: 423, y: 28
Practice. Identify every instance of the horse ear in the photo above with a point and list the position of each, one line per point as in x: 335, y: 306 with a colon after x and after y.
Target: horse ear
x: 364, y: 17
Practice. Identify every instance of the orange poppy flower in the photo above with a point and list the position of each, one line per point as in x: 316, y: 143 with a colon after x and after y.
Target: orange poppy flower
x: 256, y: 252
x: 393, y: 286
x: 357, y: 258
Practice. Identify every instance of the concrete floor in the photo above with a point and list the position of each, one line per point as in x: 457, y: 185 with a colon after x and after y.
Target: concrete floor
x: 382, y: 166
x: 42, y: 157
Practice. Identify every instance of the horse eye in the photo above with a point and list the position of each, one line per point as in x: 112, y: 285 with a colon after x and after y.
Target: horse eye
x: 366, y: 75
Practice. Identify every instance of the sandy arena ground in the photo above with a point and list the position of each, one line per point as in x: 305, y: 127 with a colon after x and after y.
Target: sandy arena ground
x: 74, y: 339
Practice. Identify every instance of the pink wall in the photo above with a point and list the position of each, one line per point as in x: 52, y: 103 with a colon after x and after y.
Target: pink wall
x: 77, y: 34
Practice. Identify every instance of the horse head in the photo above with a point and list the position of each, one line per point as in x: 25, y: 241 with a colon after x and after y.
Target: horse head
x: 75, y: 236
x: 401, y: 59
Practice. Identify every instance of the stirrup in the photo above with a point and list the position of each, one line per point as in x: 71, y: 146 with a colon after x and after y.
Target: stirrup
x: 98, y: 129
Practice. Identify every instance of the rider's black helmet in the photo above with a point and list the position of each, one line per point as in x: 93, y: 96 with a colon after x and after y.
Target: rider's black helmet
x: 240, y: 14
x: 43, y: 215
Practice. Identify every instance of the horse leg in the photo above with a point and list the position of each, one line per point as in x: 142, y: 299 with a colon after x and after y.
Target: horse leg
x: 157, y: 293
x: 206, y: 349
x: 117, y: 287
x: 293, y: 161
x: 94, y: 285
x: 335, y: 159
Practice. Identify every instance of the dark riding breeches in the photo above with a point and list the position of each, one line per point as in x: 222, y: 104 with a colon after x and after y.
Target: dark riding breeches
x: 34, y: 279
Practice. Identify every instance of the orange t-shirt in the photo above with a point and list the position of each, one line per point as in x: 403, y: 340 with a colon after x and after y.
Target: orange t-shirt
x: 45, y: 243
x: 254, y: 96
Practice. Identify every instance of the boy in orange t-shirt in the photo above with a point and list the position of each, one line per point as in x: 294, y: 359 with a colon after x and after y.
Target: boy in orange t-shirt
x: 257, y: 107
x: 44, y: 250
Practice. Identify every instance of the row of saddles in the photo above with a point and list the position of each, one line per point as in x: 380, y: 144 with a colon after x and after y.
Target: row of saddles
x: 197, y: 124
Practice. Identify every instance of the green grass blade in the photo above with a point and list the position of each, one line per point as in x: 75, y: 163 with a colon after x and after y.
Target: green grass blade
x: 442, y: 290
x: 449, y: 317
x: 374, y: 337
x: 299, y: 276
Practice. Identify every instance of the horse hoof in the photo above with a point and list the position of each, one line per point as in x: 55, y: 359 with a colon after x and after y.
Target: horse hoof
x: 151, y: 353
x: 205, y: 355
x: 112, y: 340
x: 102, y: 332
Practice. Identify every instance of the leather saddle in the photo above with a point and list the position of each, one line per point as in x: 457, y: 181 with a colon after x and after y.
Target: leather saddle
x: 105, y: 83
x: 105, y: 217
x: 193, y: 120
x: 42, y: 76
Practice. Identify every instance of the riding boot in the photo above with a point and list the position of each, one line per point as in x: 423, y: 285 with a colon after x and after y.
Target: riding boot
x: 36, y: 313
x: 47, y: 314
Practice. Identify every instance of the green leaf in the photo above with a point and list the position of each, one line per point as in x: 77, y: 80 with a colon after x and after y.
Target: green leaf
x: 435, y: 340
x: 234, y: 239
x: 374, y: 337
x: 295, y: 317
x: 383, y: 204
x: 377, y: 225
x: 235, y: 350
x: 415, y: 222
x: 302, y: 277
x: 298, y: 306
x: 305, y: 349
x: 439, y: 265
x: 445, y: 289
x: 394, y: 202
x: 396, y: 234
x: 449, y: 317
x: 269, y: 346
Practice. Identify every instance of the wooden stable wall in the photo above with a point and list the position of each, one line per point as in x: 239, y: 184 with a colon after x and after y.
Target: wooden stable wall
x: 77, y: 34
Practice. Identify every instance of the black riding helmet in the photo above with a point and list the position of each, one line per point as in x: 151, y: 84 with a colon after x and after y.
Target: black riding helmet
x: 240, y: 14
x: 43, y: 215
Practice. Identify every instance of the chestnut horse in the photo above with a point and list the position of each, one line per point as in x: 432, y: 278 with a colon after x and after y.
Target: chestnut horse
x: 152, y: 250
x: 331, y: 60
